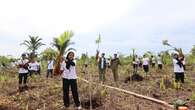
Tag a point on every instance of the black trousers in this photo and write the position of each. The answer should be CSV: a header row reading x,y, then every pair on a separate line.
x,y
66,84
179,77
23,78
160,66
153,65
146,68
49,72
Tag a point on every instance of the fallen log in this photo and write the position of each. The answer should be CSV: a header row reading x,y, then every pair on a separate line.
x,y
165,104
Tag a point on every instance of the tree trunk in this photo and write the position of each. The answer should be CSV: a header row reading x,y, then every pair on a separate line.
x,y
57,65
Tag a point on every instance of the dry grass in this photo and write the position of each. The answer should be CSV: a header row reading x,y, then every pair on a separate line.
x,y
46,94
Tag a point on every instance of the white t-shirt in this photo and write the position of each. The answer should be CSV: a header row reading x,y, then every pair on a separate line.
x,y
22,70
153,60
136,61
50,64
102,63
159,60
177,68
34,66
62,65
69,73
146,61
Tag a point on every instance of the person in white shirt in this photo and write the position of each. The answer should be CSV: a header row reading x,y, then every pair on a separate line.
x,y
33,67
69,77
23,72
153,61
178,68
146,61
159,62
135,64
50,67
39,67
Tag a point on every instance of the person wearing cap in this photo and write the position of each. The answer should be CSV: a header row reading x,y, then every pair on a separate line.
x,y
23,72
102,67
115,62
178,68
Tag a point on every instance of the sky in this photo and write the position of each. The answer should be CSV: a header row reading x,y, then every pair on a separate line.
x,y
123,24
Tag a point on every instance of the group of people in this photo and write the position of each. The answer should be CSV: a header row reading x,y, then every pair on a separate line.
x,y
69,73
145,63
137,62
27,68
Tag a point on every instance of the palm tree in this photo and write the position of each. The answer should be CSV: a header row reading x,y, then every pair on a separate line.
x,y
62,43
48,53
33,44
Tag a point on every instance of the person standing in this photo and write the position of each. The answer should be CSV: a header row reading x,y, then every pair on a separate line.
x,y
146,61
33,67
178,68
23,72
69,77
115,62
50,67
39,67
135,64
153,59
159,62
102,67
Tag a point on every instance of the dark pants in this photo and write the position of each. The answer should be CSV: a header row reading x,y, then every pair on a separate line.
x,y
153,65
135,68
49,72
23,78
160,66
102,76
73,84
179,77
31,72
146,68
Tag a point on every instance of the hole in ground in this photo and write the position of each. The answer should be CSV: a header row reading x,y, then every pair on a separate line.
x,y
95,103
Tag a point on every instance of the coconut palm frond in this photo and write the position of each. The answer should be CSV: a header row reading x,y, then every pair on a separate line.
x,y
33,44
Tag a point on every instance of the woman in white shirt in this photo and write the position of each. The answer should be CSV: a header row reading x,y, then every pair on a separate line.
x,y
146,64
178,68
69,77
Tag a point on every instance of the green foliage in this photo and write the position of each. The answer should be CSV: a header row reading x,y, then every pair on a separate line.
x,y
33,44
47,53
98,41
4,60
63,41
166,58
180,102
193,50
162,84
192,98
